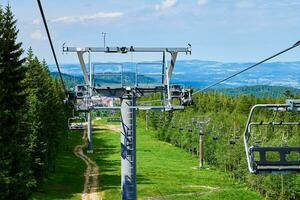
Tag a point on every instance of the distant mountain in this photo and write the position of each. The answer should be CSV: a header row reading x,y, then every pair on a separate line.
x,y
198,73
257,90
260,91
128,79
69,80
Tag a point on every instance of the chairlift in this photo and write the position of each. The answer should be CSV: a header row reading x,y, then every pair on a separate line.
x,y
81,91
71,98
190,130
257,160
215,138
186,97
232,141
76,123
175,91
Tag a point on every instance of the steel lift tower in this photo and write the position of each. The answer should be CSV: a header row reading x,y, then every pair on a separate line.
x,y
128,95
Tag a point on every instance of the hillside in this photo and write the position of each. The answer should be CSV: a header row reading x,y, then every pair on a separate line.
x,y
260,91
223,145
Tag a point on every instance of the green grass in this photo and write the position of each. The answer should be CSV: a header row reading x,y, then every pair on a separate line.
x,y
162,169
67,181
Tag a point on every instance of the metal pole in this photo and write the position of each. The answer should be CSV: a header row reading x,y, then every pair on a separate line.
x,y
147,119
128,148
201,134
89,134
104,39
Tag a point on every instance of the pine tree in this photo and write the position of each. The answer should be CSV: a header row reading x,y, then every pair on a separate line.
x,y
45,115
14,168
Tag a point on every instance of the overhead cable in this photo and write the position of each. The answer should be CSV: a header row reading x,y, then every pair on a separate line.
x,y
51,44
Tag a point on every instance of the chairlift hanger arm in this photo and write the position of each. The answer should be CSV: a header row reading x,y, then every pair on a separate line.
x,y
83,67
186,50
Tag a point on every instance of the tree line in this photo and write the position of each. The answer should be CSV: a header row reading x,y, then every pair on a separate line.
x,y
223,137
32,115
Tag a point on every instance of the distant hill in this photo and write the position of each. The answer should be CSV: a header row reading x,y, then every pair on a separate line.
x,y
128,78
257,90
260,91
199,73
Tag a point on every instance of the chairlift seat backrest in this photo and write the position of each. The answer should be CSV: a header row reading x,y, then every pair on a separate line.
x,y
282,164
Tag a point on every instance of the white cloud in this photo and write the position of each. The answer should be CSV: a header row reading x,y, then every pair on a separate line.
x,y
36,21
165,4
84,18
37,35
202,2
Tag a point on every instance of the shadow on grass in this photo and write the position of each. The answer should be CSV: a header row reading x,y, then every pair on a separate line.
x,y
107,154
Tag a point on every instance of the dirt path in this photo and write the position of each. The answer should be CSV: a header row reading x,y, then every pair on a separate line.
x,y
91,176
92,171
211,189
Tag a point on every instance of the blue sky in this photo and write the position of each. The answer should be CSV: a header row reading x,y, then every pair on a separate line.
x,y
221,30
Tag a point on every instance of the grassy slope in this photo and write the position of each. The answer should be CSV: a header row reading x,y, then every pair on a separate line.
x,y
67,181
161,169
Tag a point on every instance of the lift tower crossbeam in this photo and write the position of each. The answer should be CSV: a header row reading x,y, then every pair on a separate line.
x,y
186,50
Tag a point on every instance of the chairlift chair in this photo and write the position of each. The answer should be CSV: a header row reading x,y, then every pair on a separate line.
x,y
76,123
81,91
232,141
71,98
175,91
257,160
215,138
186,97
